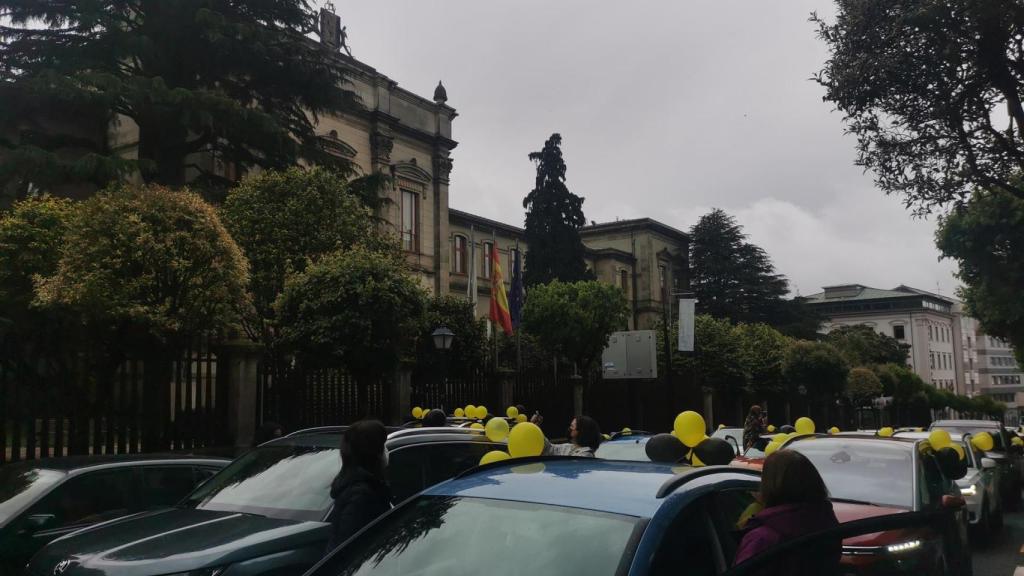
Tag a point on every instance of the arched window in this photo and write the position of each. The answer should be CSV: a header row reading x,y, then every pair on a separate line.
x,y
624,280
459,258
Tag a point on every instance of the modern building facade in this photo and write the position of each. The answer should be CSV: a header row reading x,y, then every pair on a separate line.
x,y
929,323
991,368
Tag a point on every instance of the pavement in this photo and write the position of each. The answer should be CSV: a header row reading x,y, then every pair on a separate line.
x,y
1002,555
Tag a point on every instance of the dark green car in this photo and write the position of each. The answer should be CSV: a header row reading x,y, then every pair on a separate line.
x,y
46,499
265,514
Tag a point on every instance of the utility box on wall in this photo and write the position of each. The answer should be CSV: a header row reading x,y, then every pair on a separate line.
x,y
631,355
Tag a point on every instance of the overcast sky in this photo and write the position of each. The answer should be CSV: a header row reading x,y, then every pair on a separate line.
x,y
666,109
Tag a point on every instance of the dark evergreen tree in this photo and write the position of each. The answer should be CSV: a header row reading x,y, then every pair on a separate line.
x,y
735,279
237,79
554,217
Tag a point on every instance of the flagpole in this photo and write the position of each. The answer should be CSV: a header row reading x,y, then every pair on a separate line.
x,y
519,349
491,256
471,292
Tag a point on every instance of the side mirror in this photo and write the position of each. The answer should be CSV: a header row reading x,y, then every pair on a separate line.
x,y
953,502
988,464
37,522
735,445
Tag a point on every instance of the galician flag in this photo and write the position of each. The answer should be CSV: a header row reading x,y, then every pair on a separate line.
x,y
499,299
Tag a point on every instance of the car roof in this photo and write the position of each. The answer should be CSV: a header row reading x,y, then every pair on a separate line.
x,y
859,439
613,486
967,424
628,439
330,437
75,463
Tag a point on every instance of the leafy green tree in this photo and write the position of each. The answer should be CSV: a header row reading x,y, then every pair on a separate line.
x,y
152,264
862,345
575,319
736,280
918,81
986,237
554,216
469,347
862,386
762,355
31,236
285,221
817,366
358,309
238,79
718,360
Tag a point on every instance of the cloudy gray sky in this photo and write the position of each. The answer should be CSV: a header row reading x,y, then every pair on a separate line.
x,y
666,109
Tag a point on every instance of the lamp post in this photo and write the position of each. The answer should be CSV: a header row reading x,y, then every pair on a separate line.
x,y
443,338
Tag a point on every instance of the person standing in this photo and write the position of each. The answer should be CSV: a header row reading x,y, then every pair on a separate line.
x,y
753,427
359,490
584,438
795,503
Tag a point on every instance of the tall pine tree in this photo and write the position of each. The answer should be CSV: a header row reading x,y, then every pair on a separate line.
x,y
554,217
239,79
735,279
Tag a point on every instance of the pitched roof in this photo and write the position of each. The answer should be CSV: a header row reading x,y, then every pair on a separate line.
x,y
855,292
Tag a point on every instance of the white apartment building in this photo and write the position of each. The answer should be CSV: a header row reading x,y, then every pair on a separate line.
x,y
991,368
929,323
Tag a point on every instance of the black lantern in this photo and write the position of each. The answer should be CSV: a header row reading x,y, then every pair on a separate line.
x,y
443,338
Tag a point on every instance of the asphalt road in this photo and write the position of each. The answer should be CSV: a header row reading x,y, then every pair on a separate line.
x,y
1002,556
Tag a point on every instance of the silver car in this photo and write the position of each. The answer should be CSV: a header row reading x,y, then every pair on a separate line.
x,y
980,486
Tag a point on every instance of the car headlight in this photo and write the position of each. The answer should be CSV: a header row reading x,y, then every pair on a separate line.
x,y
903,546
971,490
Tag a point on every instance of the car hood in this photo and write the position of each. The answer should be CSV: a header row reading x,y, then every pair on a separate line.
x,y
970,478
848,512
174,540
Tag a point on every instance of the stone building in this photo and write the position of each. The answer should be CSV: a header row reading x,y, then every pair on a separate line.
x,y
928,323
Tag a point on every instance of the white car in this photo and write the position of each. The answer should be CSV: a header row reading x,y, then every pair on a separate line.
x,y
980,487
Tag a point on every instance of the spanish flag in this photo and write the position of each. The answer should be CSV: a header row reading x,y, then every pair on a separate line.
x,y
499,299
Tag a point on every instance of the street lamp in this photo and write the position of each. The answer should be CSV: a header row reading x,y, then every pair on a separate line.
x,y
443,338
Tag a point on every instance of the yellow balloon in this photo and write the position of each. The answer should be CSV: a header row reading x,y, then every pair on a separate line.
x,y
494,456
833,430
804,425
512,412
459,412
689,427
959,450
626,431
476,426
771,447
780,437
771,428
694,461
525,439
521,418
606,437
481,412
417,412
720,426
1016,441
885,432
497,429
983,441
470,411
939,439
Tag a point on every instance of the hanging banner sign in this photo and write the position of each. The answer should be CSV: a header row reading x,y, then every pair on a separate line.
x,y
686,312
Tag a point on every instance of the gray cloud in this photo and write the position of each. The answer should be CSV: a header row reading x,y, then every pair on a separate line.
x,y
666,109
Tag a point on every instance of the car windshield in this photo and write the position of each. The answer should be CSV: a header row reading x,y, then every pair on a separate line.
x,y
634,450
959,431
876,472
446,536
20,485
279,481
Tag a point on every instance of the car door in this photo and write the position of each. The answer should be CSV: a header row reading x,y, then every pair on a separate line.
x,y
82,500
932,486
687,545
415,467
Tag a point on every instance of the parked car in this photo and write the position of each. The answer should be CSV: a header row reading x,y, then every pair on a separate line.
x,y
980,486
1005,455
625,447
265,513
753,457
733,436
560,515
42,500
869,476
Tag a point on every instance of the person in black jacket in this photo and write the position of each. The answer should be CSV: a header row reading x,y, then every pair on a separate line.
x,y
359,491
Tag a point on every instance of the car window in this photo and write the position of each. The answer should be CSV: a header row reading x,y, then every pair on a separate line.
x,y
931,483
442,536
687,542
88,498
863,470
633,450
164,485
731,510
411,469
20,484
203,473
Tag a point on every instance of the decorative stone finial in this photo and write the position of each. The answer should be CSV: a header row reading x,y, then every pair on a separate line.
x,y
440,94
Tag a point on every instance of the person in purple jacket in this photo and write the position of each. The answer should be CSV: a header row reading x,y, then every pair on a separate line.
x,y
795,503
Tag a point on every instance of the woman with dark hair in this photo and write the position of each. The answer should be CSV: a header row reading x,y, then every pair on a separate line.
x,y
584,436
359,490
795,503
753,427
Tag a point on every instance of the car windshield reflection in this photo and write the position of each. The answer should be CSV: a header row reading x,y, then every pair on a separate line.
x,y
863,471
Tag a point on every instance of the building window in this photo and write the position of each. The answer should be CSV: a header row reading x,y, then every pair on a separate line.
x,y
898,332
663,281
624,281
486,259
931,359
929,333
459,258
512,262
410,227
